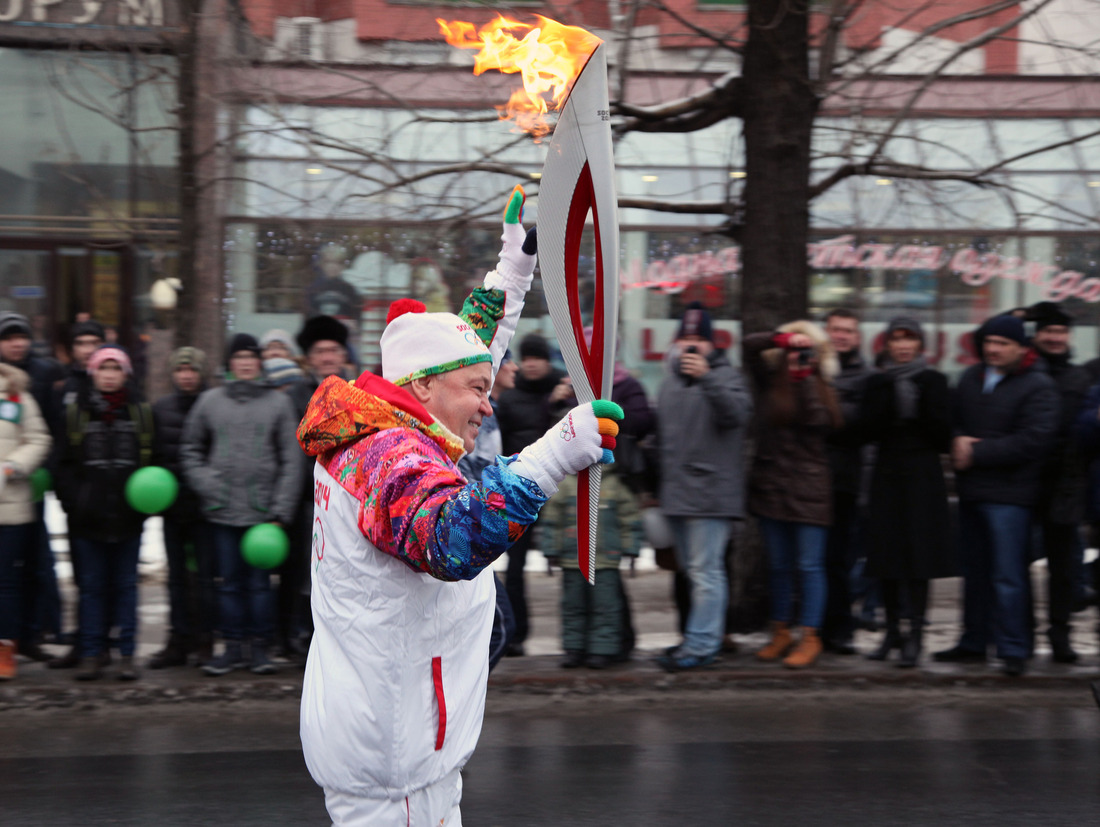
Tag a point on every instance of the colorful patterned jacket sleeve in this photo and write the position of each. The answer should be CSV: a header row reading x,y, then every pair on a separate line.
x,y
417,507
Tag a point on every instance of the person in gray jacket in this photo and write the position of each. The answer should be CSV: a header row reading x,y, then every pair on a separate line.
x,y
240,455
702,409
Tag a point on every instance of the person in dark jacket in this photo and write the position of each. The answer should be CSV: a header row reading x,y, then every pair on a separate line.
x,y
43,372
597,628
523,414
1087,433
240,455
906,411
108,438
190,604
74,387
846,465
41,613
790,487
324,341
703,408
1061,505
1005,418
84,339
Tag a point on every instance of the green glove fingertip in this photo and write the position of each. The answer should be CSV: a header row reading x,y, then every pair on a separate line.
x,y
608,409
513,213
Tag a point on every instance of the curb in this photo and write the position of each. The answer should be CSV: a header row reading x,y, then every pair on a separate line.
x,y
541,675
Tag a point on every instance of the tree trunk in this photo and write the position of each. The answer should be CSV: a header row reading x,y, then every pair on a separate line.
x,y
187,308
779,111
199,314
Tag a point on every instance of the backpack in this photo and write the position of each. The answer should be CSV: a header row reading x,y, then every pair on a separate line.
x,y
141,414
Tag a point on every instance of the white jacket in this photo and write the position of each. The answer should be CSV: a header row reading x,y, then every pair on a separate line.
x,y
24,444
395,682
402,598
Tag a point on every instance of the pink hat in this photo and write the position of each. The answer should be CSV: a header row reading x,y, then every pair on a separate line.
x,y
106,353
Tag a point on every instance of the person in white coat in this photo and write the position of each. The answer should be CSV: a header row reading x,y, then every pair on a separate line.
x,y
402,595
24,445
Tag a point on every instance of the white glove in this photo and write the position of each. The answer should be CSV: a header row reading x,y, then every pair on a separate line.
x,y
584,437
517,254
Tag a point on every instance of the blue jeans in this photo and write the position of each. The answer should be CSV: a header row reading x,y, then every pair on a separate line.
x,y
790,544
15,543
997,583
701,553
246,603
106,570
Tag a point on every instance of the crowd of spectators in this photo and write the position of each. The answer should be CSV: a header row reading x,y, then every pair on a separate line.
x,y
848,469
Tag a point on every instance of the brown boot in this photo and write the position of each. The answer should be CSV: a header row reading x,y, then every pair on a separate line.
x,y
7,660
780,643
806,652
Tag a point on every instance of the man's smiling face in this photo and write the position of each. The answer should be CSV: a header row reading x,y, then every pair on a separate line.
x,y
459,400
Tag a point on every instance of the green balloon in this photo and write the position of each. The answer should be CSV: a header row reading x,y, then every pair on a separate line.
x,y
151,490
41,481
264,546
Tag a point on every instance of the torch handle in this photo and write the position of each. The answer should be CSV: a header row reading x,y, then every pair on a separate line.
x,y
588,510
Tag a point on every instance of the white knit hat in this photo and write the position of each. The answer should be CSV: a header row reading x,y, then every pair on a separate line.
x,y
416,343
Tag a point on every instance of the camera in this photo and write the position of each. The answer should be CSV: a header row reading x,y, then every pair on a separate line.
x,y
691,349
804,356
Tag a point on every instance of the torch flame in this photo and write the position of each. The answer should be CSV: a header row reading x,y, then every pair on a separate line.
x,y
549,56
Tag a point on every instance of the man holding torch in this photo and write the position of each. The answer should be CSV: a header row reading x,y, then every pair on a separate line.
x,y
402,598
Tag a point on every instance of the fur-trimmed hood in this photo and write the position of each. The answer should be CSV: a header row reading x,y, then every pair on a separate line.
x,y
823,348
12,379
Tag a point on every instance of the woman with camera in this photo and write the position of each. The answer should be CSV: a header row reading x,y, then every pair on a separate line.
x,y
790,488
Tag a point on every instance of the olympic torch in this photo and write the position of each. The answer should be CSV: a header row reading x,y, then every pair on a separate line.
x,y
577,180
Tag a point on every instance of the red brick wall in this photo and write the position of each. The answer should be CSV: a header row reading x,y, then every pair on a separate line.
x,y
383,20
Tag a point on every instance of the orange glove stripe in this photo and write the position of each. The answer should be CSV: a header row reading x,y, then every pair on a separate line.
x,y
608,427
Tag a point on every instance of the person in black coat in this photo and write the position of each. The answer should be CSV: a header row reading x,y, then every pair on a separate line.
x,y
1061,505
846,464
190,591
1005,419
324,343
906,410
524,415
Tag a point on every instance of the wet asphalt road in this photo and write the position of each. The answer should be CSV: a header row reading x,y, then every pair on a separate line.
x,y
721,757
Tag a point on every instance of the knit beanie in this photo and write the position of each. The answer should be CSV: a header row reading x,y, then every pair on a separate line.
x,y
13,324
280,372
534,346
322,329
906,323
1007,326
187,356
696,322
106,353
416,343
1045,314
239,342
88,328
278,335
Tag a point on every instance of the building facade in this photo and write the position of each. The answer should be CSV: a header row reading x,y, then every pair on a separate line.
x,y
89,201
357,159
